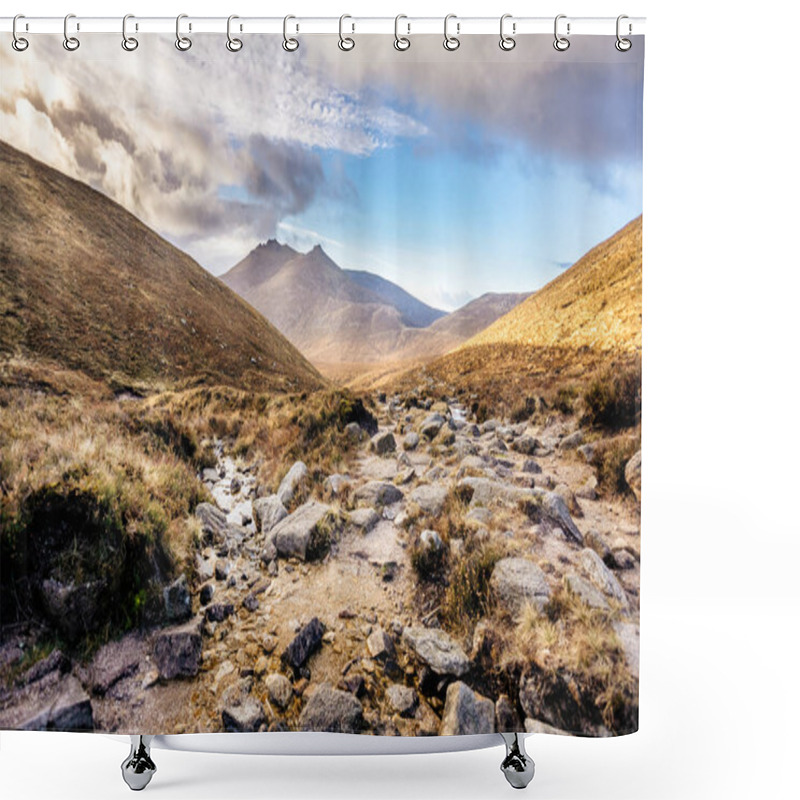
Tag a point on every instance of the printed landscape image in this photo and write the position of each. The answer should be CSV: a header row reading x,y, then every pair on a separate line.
x,y
320,389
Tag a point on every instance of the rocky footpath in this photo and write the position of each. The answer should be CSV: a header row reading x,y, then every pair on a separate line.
x,y
302,610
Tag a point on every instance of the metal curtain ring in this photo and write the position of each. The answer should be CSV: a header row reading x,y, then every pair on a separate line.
x,y
401,42
623,45
561,43
233,44
345,42
289,44
506,42
71,43
129,43
183,43
451,42
19,43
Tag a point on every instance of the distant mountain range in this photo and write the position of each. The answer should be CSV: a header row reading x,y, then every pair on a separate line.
x,y
86,286
348,317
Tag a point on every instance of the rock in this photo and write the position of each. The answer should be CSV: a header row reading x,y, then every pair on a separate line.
x,y
236,485
431,539
597,543
74,609
628,636
587,592
335,484
589,489
490,425
402,699
437,649
550,697
206,593
221,570
404,476
602,577
333,711
411,441
115,662
571,442
354,683
518,581
268,512
430,499
505,718
377,494
177,600
383,443
177,651
307,641
531,467
445,438
291,481
250,603
565,493
279,688
307,533
365,519
466,712
587,451
213,522
353,431
544,506
431,425
478,516
535,726
210,475
56,661
623,559
245,717
219,612
380,645
633,475
526,445
69,710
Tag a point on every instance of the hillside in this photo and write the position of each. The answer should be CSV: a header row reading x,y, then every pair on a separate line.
x,y
85,285
596,303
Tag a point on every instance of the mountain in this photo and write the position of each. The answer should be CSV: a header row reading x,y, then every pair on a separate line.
x,y
348,321
414,313
596,303
87,286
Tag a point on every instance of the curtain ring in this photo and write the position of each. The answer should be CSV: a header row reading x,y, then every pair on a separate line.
x,y
345,42
623,45
401,42
233,44
71,43
289,44
19,43
506,42
183,43
450,42
561,43
129,43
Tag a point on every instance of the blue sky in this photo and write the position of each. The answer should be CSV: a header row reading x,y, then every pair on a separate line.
x,y
452,174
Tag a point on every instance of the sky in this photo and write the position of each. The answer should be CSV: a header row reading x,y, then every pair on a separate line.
x,y
452,174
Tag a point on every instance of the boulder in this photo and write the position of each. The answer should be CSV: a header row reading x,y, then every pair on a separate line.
x,y
623,559
550,507
335,484
268,512
70,709
429,498
206,594
377,494
526,445
114,662
307,641
177,651
305,534
365,519
411,441
633,475
431,425
531,466
587,451
177,600
353,431
431,539
572,442
333,711
628,636
213,522
518,581
437,649
587,592
465,712
380,645
551,697
279,688
403,700
248,716
383,443
55,662
291,481
589,489
602,577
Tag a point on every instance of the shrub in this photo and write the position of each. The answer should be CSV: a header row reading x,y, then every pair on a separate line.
x,y
614,400
466,598
564,400
610,459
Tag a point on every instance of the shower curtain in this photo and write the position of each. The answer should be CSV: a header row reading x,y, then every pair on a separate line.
x,y
320,384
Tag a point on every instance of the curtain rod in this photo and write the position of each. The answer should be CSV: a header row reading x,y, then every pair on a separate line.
x,y
461,26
